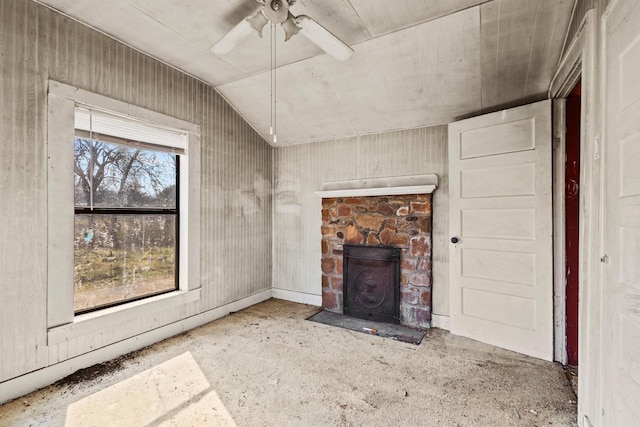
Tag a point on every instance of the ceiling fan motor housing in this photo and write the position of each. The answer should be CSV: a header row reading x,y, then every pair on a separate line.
x,y
277,11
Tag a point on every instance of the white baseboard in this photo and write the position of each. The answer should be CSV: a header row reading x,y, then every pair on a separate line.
x,y
439,321
27,383
299,297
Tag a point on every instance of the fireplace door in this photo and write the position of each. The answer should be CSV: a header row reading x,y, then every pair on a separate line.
x,y
372,282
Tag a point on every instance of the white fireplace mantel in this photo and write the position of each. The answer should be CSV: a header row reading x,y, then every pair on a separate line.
x,y
410,184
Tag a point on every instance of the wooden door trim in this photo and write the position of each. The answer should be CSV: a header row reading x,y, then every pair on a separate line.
x,y
580,62
559,250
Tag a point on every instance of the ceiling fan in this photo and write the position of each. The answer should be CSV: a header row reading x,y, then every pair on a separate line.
x,y
277,11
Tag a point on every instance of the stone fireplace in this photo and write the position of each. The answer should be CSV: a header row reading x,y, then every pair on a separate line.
x,y
388,212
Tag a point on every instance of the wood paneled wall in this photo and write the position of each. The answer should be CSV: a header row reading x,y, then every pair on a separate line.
x,y
37,44
301,169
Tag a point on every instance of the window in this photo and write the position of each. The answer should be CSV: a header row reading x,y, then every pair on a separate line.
x,y
126,201
123,218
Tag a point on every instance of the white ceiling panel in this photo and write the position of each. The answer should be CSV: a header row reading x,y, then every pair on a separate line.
x,y
520,40
307,103
416,62
424,75
432,76
384,16
141,24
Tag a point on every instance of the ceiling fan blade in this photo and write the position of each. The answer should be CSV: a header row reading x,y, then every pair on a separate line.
x,y
237,34
323,38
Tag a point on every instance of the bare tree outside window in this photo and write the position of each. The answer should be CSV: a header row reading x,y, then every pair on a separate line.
x,y
126,204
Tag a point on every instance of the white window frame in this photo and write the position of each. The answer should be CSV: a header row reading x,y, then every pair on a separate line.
x,y
62,323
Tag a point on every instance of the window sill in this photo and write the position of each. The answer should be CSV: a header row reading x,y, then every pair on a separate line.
x,y
94,322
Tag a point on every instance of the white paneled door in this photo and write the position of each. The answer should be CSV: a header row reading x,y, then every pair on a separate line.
x,y
501,270
621,293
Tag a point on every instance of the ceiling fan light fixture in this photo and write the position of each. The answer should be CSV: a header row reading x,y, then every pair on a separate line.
x,y
258,21
290,28
277,11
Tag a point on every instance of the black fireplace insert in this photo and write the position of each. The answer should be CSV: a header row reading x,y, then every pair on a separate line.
x,y
371,283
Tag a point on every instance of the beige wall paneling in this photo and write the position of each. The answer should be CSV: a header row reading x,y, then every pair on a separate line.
x,y
236,165
410,152
23,175
299,171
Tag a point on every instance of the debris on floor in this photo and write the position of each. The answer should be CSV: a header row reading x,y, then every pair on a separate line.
x,y
226,373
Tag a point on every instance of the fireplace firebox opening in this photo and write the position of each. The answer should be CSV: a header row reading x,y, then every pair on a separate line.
x,y
372,283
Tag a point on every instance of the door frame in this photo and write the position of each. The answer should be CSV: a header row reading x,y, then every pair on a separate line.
x,y
559,246
580,62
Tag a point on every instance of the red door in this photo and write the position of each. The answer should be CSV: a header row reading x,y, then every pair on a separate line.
x,y
572,212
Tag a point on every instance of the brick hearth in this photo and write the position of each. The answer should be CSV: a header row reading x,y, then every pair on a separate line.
x,y
400,221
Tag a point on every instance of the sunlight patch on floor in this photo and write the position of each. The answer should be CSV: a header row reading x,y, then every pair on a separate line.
x,y
175,392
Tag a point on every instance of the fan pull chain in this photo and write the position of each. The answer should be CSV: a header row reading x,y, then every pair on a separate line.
x,y
271,80
275,87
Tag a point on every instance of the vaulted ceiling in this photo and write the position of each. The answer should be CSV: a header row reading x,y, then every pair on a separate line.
x,y
416,63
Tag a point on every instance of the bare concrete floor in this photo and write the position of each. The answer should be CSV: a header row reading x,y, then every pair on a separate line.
x,y
268,366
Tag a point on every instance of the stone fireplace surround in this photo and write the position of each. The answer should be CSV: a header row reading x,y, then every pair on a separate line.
x,y
381,212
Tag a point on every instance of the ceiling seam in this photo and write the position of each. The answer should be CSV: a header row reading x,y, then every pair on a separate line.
x,y
497,51
360,17
535,27
549,45
153,18
435,18
361,135
566,36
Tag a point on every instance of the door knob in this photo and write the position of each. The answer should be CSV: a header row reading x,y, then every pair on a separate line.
x,y
454,240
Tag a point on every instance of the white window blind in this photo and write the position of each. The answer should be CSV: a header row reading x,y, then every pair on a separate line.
x,y
136,132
